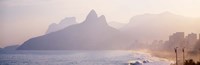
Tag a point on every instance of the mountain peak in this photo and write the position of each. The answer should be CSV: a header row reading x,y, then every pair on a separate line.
x,y
93,11
102,19
92,16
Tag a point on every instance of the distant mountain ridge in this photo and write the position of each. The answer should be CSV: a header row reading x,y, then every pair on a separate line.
x,y
92,34
63,23
116,25
158,26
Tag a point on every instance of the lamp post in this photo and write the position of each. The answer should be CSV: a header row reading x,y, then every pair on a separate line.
x,y
183,50
176,55
199,54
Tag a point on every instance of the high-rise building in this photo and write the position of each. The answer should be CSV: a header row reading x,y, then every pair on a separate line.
x,y
199,36
191,40
177,39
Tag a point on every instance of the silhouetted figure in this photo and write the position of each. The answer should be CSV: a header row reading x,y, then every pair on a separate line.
x,y
198,63
190,62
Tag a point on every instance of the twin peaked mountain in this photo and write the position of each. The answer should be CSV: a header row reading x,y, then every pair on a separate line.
x,y
93,33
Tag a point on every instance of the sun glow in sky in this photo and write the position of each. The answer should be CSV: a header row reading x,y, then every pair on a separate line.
x,y
24,19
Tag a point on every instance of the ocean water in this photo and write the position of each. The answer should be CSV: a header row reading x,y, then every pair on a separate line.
x,y
108,57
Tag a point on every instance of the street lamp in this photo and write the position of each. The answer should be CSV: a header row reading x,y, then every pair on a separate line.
x,y
199,54
183,50
176,55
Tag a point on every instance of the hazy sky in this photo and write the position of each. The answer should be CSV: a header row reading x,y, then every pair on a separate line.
x,y
24,19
